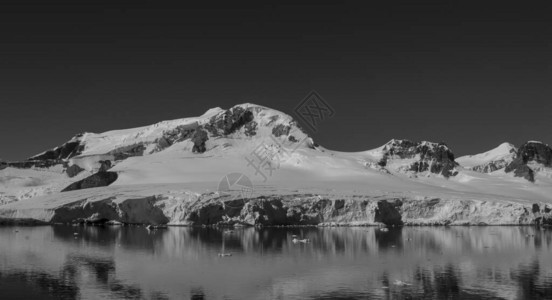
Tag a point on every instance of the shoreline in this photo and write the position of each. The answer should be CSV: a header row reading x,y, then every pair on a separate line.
x,y
38,223
305,210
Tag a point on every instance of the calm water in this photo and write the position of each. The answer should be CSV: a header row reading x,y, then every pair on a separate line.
x,y
63,262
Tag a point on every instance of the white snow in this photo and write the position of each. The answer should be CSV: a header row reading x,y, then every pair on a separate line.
x,y
103,143
20,184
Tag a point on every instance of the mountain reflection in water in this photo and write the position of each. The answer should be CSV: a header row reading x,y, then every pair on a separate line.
x,y
130,262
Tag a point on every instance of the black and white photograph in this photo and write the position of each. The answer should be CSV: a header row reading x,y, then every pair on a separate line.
x,y
296,150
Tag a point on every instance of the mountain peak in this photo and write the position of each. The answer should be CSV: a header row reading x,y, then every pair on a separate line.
x,y
216,128
532,157
236,131
212,111
506,147
490,161
404,155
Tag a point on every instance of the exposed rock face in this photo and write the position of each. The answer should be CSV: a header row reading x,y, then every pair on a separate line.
x,y
280,130
432,157
96,180
530,153
387,212
298,209
199,138
222,124
46,163
65,151
492,166
229,122
536,152
56,156
73,170
178,134
105,165
128,151
521,170
250,128
105,210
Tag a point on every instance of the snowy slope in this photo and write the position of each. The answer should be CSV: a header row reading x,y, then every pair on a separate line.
x,y
105,143
490,161
163,152
20,184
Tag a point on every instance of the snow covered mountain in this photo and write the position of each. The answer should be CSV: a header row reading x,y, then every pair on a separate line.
x,y
234,136
169,151
530,159
404,156
216,128
490,161
170,171
533,158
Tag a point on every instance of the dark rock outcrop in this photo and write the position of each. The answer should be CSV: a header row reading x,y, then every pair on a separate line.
x,y
96,180
178,134
262,212
536,152
280,130
128,151
222,124
387,212
267,211
65,151
433,157
199,138
142,210
521,170
492,166
56,156
73,170
530,152
27,164
250,128
293,209
229,122
105,165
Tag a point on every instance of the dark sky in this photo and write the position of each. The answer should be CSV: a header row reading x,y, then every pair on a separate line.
x,y
472,74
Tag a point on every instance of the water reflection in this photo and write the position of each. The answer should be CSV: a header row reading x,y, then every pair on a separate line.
x,y
64,262
35,285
